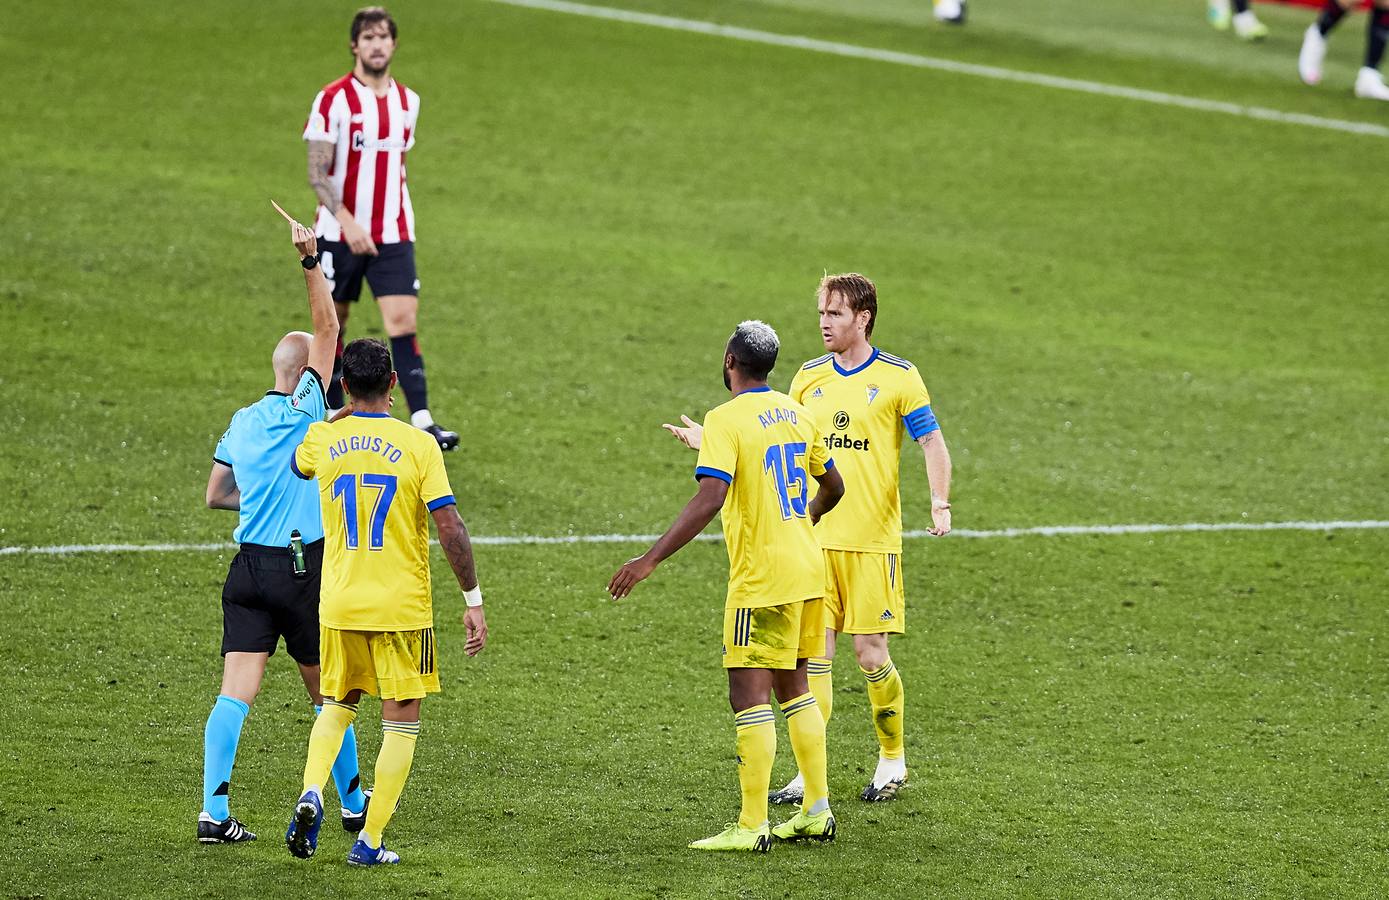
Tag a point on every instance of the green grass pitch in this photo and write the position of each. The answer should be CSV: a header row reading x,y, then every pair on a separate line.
x,y
1125,313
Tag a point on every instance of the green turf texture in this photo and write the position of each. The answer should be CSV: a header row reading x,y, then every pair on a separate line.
x,y
1124,312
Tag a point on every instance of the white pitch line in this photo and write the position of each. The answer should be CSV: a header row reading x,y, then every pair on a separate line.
x,y
565,539
918,61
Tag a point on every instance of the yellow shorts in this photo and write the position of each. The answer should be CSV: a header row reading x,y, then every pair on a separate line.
x,y
773,637
864,593
393,665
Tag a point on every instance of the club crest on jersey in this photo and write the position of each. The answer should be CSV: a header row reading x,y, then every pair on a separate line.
x,y
872,393
816,394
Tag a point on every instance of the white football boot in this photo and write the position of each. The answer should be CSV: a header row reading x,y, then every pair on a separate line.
x,y
952,11
1248,27
1311,57
1369,84
1218,14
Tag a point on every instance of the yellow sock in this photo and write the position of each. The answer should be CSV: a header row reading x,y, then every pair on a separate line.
x,y
818,669
392,768
807,729
887,697
325,741
756,749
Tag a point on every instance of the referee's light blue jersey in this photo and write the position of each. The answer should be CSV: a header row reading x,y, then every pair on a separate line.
x,y
258,446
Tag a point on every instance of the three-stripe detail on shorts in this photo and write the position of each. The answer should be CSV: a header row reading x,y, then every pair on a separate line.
x,y
427,651
742,627
892,569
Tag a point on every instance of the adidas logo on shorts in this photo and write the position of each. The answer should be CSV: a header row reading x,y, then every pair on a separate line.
x,y
886,616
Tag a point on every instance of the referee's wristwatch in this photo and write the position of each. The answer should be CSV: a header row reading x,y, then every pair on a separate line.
x,y
308,262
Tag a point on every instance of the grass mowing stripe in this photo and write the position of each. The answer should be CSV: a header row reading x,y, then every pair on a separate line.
x,y
522,539
976,70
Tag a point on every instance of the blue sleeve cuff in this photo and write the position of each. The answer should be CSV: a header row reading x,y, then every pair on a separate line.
x,y
446,500
294,465
222,462
711,472
920,422
829,464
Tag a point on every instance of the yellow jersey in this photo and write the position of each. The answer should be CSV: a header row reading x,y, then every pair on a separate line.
x,y
862,413
378,480
766,448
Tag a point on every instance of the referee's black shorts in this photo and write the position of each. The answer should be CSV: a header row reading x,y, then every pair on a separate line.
x,y
389,273
262,600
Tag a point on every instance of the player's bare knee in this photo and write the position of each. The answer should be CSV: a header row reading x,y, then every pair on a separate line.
x,y
871,650
788,684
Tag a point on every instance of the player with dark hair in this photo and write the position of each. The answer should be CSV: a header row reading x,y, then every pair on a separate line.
x,y
272,584
758,449
1369,82
379,482
1224,13
359,130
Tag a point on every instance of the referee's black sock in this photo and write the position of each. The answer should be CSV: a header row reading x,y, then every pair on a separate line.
x,y
334,385
1377,37
1331,13
409,368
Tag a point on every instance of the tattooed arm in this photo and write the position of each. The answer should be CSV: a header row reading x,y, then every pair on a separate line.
x,y
453,537
320,161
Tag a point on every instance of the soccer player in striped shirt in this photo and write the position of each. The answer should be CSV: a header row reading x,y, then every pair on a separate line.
x,y
360,127
758,449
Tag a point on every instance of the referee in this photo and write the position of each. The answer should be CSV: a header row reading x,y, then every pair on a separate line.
x,y
272,586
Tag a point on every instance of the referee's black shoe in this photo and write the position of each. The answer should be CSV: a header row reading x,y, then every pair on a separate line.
x,y
228,831
447,439
353,824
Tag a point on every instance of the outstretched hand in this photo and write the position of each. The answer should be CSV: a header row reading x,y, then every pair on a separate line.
x,y
627,577
691,435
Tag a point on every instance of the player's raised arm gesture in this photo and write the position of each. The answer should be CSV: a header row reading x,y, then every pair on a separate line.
x,y
691,435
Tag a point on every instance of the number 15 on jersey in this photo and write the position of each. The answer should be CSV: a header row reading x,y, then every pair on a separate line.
x,y
786,465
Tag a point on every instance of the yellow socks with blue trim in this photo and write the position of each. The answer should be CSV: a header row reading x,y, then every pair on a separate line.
x,y
887,698
326,740
756,749
806,726
818,671
392,768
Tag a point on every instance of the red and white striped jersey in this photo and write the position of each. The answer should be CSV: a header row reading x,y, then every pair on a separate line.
x,y
372,135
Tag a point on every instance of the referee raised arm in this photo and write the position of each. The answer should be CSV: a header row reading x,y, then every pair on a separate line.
x,y
272,586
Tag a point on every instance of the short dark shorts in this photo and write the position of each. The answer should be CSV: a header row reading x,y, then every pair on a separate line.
x,y
389,273
263,601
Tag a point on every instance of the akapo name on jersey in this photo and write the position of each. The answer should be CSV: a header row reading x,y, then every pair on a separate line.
x,y
843,441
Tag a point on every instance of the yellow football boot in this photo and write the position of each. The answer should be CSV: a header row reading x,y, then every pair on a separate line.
x,y
735,837
801,827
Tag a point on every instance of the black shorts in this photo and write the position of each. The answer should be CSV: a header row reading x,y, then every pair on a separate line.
x,y
263,600
390,272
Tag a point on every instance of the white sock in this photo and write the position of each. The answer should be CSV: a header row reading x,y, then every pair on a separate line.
x,y
889,770
421,418
797,783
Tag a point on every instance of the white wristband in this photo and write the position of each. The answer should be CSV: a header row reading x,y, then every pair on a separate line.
x,y
473,597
